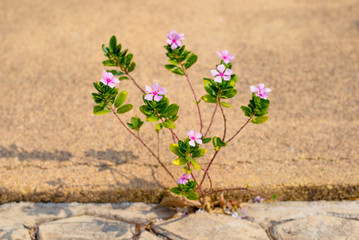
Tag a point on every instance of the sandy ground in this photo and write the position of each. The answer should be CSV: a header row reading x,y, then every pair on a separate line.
x,y
306,51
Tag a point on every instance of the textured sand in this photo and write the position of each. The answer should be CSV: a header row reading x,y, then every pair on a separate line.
x,y
53,148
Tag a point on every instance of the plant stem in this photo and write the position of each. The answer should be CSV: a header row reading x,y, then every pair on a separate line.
x,y
199,187
209,165
239,130
143,143
224,122
210,124
242,189
158,145
195,97
143,91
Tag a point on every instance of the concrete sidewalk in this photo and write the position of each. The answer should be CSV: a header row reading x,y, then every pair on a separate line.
x,y
282,220
52,148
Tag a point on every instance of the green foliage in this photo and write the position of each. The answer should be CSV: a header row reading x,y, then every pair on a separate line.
x,y
135,124
187,190
121,98
100,110
154,111
223,90
124,109
179,58
116,57
218,143
224,104
103,97
206,140
258,108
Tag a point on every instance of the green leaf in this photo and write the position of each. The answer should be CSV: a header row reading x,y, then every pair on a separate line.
x,y
217,143
132,67
260,120
152,118
209,87
176,190
180,161
235,78
175,149
130,125
159,126
190,61
206,140
113,44
168,124
199,152
171,110
109,63
192,196
247,111
209,99
115,73
121,98
129,58
229,93
190,186
273,197
146,110
173,61
224,104
99,110
174,69
124,109
123,78
194,162
104,49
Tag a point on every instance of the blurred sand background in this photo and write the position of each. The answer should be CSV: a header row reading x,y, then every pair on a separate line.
x,y
52,148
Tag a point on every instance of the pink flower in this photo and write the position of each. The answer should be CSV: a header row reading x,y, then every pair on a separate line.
x,y
226,56
174,39
194,137
108,79
154,94
184,179
260,91
226,75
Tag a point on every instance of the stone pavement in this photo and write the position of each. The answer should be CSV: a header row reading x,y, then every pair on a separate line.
x,y
52,148
282,220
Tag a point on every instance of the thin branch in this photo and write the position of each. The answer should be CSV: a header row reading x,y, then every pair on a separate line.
x,y
249,119
143,91
199,187
224,122
210,124
241,189
209,165
195,97
144,144
171,130
158,145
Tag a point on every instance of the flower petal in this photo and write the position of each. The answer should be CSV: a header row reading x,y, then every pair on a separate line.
x,y
158,98
168,41
267,90
162,91
199,141
214,73
230,57
111,84
173,46
254,89
181,36
148,89
197,135
228,72
115,80
226,78
149,97
104,74
260,86
179,43
192,143
221,68
218,79
219,54
103,81
226,61
225,52
191,133
187,176
155,87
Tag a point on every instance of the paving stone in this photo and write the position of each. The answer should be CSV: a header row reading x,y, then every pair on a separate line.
x,y
31,214
145,235
86,228
19,233
209,226
264,213
317,227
